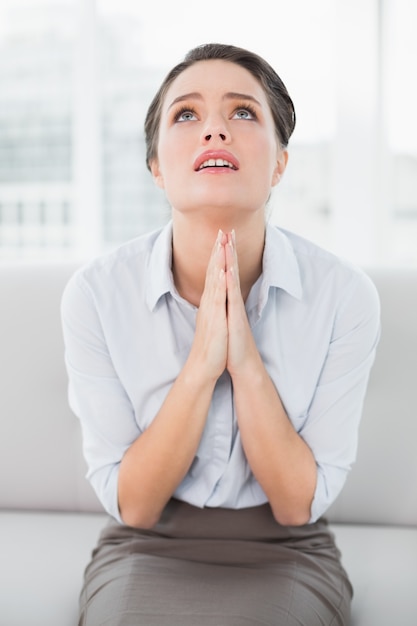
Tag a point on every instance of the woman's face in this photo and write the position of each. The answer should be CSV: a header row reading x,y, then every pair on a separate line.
x,y
217,148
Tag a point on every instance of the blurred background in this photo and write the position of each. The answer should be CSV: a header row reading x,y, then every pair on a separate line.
x,y
77,76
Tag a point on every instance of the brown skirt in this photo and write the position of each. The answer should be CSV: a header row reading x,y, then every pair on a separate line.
x,y
216,567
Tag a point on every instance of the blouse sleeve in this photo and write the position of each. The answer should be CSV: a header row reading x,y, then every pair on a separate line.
x,y
95,393
331,429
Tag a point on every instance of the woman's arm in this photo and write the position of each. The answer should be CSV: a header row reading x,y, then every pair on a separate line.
x,y
158,460
302,473
279,458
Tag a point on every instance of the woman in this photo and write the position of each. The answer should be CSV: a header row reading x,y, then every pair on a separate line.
x,y
218,368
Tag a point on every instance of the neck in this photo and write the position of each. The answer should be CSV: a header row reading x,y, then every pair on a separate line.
x,y
192,245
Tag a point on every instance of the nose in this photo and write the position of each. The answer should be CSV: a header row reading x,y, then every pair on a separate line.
x,y
216,129
221,135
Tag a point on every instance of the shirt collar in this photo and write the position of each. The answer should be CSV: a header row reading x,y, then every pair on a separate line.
x,y
280,267
159,275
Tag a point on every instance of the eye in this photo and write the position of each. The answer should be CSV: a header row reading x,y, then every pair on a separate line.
x,y
185,114
245,113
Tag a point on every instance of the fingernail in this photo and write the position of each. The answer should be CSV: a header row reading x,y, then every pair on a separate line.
x,y
219,236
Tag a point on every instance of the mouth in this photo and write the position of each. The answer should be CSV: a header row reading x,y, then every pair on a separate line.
x,y
216,163
216,159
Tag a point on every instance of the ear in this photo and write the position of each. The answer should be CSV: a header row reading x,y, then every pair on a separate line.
x,y
282,159
157,174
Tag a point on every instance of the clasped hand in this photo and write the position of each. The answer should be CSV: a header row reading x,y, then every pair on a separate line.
x,y
223,338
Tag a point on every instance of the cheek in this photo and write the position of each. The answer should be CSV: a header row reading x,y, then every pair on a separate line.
x,y
268,157
170,153
265,147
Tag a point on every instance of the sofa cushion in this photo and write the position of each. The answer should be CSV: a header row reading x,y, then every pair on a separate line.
x,y
40,443
40,436
43,556
380,488
382,564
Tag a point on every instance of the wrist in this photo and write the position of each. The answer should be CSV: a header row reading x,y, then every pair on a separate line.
x,y
197,375
250,372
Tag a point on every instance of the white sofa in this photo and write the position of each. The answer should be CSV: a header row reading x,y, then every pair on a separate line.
x,y
50,518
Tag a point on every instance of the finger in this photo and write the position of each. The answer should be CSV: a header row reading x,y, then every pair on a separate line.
x,y
211,326
232,265
217,258
215,282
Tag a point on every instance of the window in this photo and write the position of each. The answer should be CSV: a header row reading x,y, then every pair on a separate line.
x,y
35,127
76,78
399,106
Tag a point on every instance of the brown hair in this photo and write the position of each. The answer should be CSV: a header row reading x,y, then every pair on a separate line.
x,y
282,107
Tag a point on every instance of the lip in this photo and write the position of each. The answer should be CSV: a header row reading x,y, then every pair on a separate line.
x,y
216,154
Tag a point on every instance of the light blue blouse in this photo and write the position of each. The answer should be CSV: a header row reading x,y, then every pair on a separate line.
x,y
127,332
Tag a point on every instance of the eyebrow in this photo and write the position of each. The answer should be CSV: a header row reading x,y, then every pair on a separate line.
x,y
235,95
230,95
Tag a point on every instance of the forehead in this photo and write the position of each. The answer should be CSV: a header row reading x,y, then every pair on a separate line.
x,y
214,78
